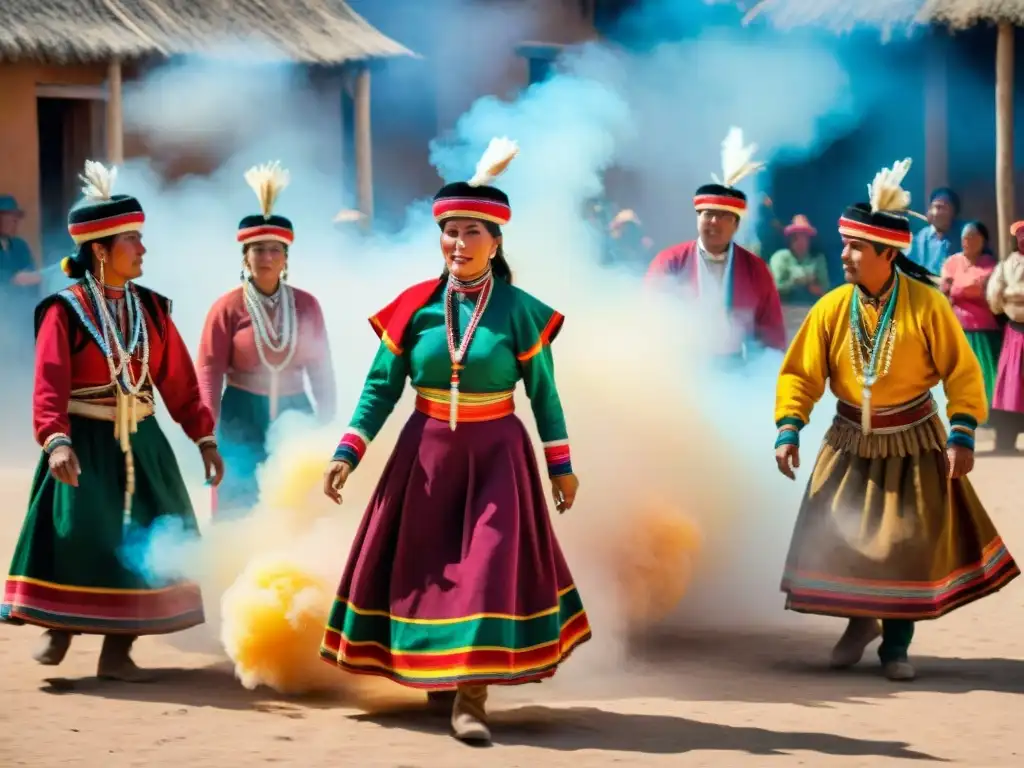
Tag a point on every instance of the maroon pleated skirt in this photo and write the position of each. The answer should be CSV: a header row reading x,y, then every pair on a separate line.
x,y
455,575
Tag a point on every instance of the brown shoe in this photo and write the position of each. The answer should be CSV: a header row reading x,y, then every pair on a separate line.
x,y
859,634
116,661
469,715
52,648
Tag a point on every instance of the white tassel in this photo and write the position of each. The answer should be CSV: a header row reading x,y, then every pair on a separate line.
x,y
99,181
267,181
737,159
494,161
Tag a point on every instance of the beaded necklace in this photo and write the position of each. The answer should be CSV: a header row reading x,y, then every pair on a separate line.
x,y
126,387
880,347
484,285
267,336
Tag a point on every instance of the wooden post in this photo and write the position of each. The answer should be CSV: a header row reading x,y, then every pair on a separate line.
x,y
364,148
936,116
1004,137
115,119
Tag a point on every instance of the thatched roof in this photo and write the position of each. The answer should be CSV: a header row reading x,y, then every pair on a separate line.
x,y
843,15
310,31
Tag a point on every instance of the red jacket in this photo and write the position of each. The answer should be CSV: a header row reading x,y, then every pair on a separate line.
x,y
756,306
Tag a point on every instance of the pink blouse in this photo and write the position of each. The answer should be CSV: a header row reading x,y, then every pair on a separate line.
x,y
965,285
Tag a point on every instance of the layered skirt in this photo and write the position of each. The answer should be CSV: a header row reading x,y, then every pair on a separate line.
x,y
242,440
883,533
987,346
455,575
71,569
1009,385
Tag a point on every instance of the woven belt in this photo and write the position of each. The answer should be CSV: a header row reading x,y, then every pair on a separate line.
x,y
895,418
104,412
473,406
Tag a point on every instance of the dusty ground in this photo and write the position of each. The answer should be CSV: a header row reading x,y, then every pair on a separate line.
x,y
761,699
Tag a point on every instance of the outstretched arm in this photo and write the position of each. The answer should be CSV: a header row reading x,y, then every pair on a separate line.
x,y
52,388
178,385
802,378
962,380
381,392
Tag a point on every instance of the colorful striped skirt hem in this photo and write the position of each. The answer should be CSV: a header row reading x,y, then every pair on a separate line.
x,y
102,611
437,654
883,533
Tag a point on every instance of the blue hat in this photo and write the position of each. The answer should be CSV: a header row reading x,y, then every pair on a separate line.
x,y
8,204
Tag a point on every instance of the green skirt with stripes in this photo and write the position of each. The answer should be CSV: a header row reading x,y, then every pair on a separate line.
x,y
70,570
987,345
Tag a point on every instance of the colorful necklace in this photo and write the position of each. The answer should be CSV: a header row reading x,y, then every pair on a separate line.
x,y
121,372
126,390
881,346
484,284
266,336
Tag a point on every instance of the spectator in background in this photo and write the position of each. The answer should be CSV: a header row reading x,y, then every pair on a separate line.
x,y
941,238
1005,294
769,230
800,274
965,276
19,280
628,246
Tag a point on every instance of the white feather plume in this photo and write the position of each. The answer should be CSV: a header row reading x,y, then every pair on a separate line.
x,y
267,181
494,161
737,160
886,192
99,181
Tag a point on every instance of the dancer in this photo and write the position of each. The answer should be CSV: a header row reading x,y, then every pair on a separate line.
x,y
1005,294
264,337
890,527
106,468
964,278
455,580
713,263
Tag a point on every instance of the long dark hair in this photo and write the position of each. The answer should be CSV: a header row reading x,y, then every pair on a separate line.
x,y
81,262
499,264
914,270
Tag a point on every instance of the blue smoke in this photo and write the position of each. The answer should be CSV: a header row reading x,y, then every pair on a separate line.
x,y
161,553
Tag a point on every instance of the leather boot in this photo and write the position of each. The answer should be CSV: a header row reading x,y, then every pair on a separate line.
x,y
469,715
116,661
52,648
859,634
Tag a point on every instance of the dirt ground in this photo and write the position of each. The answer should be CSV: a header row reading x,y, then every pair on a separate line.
x,y
755,699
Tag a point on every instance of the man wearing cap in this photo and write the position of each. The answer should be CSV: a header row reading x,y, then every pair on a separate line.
x,y
714,264
941,239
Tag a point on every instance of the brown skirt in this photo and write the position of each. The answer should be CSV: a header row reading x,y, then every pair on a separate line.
x,y
883,532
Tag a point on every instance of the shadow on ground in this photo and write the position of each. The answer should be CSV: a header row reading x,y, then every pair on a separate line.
x,y
770,667
578,728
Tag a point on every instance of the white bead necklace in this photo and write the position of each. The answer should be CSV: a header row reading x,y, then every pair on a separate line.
x,y
121,372
266,335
